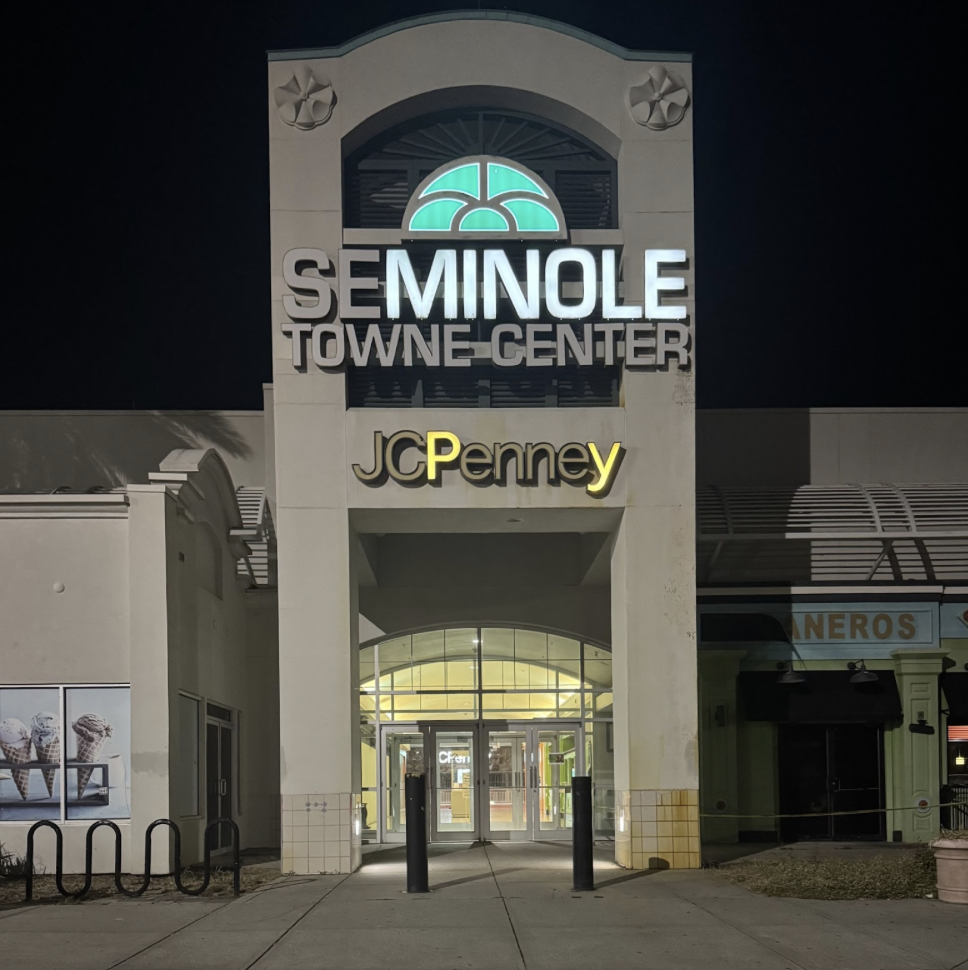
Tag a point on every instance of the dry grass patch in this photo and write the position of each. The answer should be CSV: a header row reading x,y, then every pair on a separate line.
x,y
890,875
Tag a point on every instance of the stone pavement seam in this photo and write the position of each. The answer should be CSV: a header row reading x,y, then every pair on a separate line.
x,y
740,929
165,937
507,912
298,921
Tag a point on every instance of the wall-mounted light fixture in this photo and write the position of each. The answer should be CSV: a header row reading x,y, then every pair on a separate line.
x,y
922,726
861,674
789,675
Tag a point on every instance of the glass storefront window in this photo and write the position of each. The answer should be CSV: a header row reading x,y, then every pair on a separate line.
x,y
65,753
367,668
548,672
598,668
598,704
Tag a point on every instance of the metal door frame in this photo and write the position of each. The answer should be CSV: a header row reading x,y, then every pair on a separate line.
x,y
384,729
228,784
834,788
432,729
531,730
480,787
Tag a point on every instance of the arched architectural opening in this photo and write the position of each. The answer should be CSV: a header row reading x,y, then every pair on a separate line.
x,y
499,719
381,174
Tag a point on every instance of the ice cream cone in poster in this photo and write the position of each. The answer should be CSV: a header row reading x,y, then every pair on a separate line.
x,y
15,744
45,734
92,731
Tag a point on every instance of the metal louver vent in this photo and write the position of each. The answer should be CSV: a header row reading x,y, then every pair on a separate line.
x,y
845,533
376,387
450,390
258,568
582,387
380,176
378,198
586,198
482,387
513,390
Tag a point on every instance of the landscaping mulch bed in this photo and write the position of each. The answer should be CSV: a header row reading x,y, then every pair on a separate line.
x,y
891,875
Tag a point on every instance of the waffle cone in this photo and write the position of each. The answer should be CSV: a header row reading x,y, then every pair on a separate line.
x,y
86,751
49,754
19,754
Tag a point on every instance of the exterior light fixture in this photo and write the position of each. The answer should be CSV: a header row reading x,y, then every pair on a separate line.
x,y
861,674
922,726
789,675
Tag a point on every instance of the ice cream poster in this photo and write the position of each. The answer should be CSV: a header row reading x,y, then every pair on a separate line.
x,y
65,753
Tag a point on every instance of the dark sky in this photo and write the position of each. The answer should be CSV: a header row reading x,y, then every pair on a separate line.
x,y
825,171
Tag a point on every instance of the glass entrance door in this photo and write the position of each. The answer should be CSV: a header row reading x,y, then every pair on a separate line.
x,y
454,784
218,778
485,780
403,754
555,751
827,769
527,789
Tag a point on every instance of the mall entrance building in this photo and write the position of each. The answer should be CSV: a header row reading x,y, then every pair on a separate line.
x,y
466,213
479,532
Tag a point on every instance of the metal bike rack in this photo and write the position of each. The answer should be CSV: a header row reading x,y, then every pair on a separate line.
x,y
146,879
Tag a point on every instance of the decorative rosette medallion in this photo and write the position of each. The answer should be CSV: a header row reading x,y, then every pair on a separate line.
x,y
305,101
660,101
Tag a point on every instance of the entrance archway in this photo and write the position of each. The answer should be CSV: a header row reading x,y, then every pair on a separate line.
x,y
500,718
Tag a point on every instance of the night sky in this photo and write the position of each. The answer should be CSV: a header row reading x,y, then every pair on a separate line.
x,y
825,163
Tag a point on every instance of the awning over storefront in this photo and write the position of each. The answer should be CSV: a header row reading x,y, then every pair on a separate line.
x,y
955,687
824,697
740,628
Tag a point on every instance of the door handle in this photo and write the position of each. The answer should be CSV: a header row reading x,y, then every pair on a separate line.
x,y
222,786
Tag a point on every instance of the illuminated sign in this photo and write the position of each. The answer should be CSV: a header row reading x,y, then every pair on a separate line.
x,y
482,284
577,464
523,297
483,197
450,758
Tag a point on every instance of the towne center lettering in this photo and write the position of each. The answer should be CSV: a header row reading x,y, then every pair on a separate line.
x,y
582,465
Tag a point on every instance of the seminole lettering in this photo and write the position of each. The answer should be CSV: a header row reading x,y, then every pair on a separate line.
x,y
410,459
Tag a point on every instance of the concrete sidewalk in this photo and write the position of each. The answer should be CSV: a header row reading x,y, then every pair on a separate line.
x,y
494,907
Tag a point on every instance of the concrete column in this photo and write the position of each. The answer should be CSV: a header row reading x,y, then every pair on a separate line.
x,y
654,655
916,757
719,796
151,510
318,634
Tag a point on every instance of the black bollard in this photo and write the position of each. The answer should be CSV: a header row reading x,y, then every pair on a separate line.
x,y
583,872
416,798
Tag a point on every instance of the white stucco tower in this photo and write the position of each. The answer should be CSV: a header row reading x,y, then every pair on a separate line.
x,y
613,564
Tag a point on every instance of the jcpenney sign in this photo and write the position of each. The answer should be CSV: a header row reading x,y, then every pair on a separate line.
x,y
474,284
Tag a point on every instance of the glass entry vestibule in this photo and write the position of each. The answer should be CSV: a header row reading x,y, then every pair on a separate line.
x,y
498,719
487,780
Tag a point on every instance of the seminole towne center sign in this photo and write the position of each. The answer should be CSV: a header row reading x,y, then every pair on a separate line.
x,y
483,240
